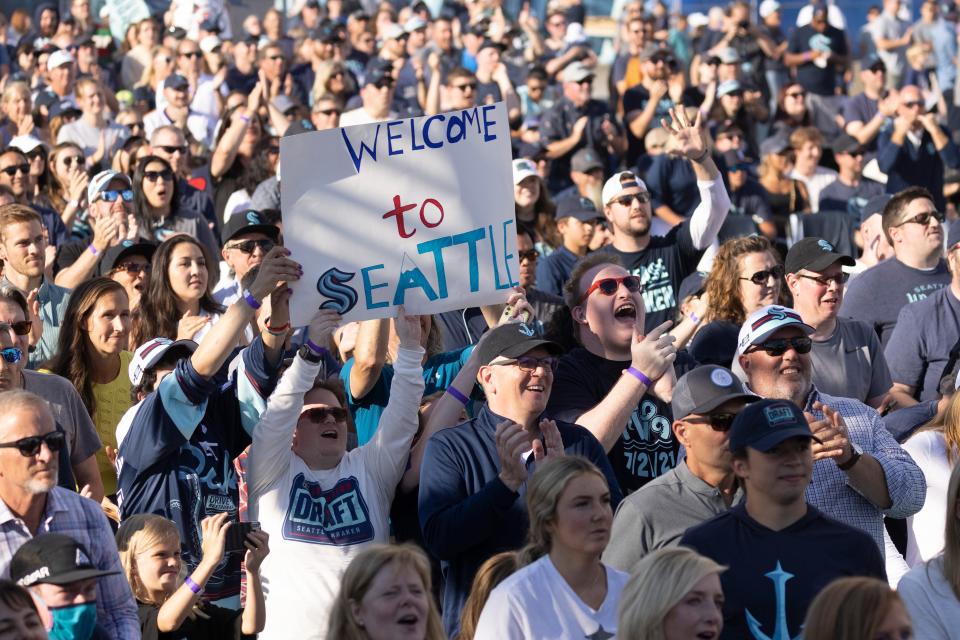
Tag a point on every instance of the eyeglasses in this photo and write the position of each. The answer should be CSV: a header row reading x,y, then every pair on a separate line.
x,y
913,104
72,160
36,153
718,421
172,149
643,197
30,446
318,415
386,83
529,363
155,176
21,328
761,277
531,254
796,94
12,171
328,112
190,54
923,219
275,58
609,286
133,268
825,281
468,85
776,348
113,195
249,246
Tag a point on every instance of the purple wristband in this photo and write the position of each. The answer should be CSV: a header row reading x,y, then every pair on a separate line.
x,y
453,391
317,349
640,375
193,586
93,249
254,304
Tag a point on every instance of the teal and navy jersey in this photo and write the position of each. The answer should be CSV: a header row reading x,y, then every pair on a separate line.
x,y
773,576
176,449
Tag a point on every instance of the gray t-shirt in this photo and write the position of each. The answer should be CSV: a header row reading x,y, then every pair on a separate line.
x,y
925,343
850,363
890,27
86,136
657,514
877,295
68,411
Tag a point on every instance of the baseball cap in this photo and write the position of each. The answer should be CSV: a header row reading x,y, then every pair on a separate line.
x,y
523,168
115,254
585,160
733,159
150,352
211,24
727,87
284,103
489,44
576,72
774,144
377,70
249,221
25,143
59,58
766,321
414,23
768,7
705,388
302,125
178,33
875,206
62,108
53,558
814,254
512,340
393,31
845,143
873,62
698,19
577,207
209,43
618,182
100,181
176,81
766,423
953,235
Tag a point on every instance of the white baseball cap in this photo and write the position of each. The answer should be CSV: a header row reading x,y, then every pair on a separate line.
x,y
766,321
25,143
697,19
618,182
523,168
149,353
59,58
209,43
100,181
768,7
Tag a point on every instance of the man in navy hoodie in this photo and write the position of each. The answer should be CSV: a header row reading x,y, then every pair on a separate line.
x,y
780,550
474,476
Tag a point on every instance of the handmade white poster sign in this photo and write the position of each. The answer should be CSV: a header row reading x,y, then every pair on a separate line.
x,y
416,211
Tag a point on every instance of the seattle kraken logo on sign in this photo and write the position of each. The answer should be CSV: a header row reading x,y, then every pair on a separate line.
x,y
780,631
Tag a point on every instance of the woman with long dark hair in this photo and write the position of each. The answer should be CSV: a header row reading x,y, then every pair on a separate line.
x,y
238,138
179,303
533,207
155,195
67,188
92,355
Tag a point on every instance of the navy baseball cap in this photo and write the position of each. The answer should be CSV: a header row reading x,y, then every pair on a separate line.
x,y
765,424
577,207
512,340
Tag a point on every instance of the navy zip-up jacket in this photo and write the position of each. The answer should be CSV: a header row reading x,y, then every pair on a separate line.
x,y
467,514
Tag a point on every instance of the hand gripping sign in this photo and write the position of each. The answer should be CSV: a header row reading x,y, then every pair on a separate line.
x,y
417,211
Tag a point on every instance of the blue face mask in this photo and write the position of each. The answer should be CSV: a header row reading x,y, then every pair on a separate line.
x,y
75,622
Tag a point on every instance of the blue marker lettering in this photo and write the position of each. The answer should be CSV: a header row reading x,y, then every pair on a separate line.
x,y
507,256
436,247
357,159
426,131
458,122
368,287
472,117
488,124
409,279
413,136
470,238
391,137
493,259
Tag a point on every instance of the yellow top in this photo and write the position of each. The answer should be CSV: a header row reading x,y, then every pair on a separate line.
x,y
113,400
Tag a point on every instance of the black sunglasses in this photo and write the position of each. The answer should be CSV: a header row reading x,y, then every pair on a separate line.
x,y
191,54
318,415
825,281
20,328
625,201
778,347
133,268
72,160
172,149
36,153
328,112
922,219
761,277
30,446
386,83
531,254
12,170
249,246
529,363
466,85
156,176
718,421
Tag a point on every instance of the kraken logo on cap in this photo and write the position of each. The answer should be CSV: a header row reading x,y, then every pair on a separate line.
x,y
721,378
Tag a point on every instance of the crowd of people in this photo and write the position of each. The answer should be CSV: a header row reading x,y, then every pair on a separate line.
x,y
721,403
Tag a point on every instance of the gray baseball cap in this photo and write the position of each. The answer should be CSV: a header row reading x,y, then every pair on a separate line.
x,y
706,388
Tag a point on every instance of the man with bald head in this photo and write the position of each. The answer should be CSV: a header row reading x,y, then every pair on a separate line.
x,y
31,504
915,151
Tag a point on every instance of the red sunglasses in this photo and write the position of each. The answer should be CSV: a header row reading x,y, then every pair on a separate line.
x,y
609,286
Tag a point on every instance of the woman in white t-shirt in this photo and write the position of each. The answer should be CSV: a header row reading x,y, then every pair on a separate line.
x,y
321,504
673,594
931,590
564,591
935,449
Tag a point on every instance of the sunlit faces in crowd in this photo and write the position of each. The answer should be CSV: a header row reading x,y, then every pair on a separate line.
x,y
528,256
760,280
786,376
519,386
188,273
608,316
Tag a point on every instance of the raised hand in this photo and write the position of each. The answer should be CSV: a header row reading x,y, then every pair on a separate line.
x,y
512,442
276,270
552,445
213,532
322,326
408,329
686,139
257,544
654,352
